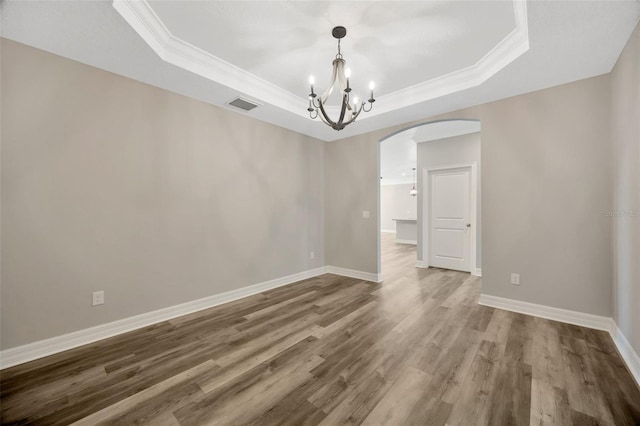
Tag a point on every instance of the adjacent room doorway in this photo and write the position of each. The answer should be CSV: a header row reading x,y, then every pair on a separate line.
x,y
448,216
446,157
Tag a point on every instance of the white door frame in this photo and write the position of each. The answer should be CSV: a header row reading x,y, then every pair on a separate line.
x,y
426,201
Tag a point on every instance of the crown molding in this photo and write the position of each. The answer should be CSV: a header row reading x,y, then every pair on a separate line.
x,y
505,52
144,21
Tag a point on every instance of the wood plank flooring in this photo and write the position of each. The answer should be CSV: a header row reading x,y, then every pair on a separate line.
x,y
414,350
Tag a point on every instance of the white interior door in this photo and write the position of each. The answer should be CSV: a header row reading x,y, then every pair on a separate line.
x,y
449,219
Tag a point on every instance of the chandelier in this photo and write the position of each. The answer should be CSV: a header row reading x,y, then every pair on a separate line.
x,y
348,112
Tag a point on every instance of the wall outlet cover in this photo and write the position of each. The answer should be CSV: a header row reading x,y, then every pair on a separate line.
x,y
98,298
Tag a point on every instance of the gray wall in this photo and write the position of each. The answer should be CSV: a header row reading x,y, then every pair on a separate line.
x,y
110,184
352,185
396,203
157,199
546,179
464,149
625,126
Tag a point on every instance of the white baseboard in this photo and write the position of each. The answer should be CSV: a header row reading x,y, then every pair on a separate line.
x,y
21,354
388,231
422,264
627,353
42,348
53,345
412,242
548,312
367,276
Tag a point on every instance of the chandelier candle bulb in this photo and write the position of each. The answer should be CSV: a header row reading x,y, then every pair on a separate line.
x,y
371,86
311,81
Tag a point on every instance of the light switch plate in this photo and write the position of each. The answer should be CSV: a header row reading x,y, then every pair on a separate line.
x,y
365,214
98,298
515,279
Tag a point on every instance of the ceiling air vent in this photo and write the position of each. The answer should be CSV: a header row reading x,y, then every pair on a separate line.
x,y
243,104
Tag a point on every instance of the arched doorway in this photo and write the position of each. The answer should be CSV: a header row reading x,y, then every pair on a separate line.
x,y
437,148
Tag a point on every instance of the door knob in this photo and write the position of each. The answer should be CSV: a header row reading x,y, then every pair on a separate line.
x,y
468,225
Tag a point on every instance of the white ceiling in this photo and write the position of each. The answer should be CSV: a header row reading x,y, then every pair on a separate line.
x,y
397,44
427,57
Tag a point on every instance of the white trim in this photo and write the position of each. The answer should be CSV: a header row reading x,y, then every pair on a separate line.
x,y
389,231
477,272
501,55
42,348
626,351
426,172
352,273
146,23
557,314
412,242
53,345
421,264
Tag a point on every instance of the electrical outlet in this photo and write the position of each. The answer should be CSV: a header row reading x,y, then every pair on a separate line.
x,y
312,255
515,279
365,214
98,298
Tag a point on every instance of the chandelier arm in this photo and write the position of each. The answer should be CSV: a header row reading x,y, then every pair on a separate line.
x,y
324,115
342,79
343,110
334,75
354,116
324,120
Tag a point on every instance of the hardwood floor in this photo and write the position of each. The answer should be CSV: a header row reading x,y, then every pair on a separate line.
x,y
414,350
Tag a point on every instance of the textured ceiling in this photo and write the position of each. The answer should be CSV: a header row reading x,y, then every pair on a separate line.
x,y
396,44
567,41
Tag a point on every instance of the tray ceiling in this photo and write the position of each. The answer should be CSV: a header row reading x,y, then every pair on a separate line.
x,y
427,57
397,45
414,51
